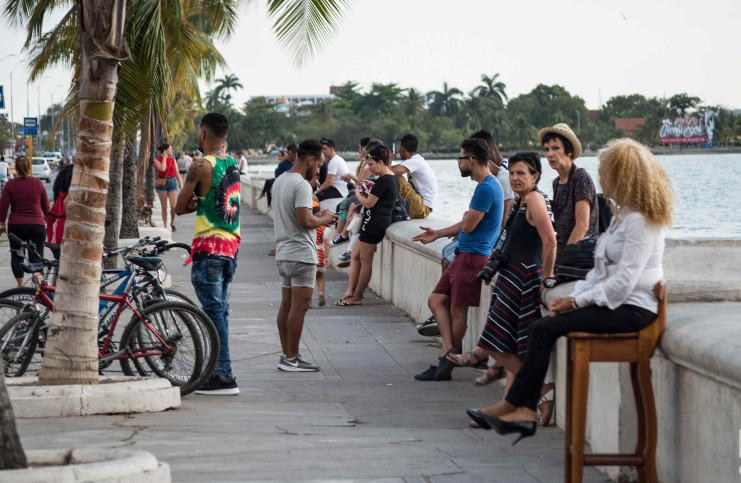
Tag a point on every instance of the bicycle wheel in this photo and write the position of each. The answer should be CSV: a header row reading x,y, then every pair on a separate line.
x,y
18,340
22,294
205,326
182,363
9,309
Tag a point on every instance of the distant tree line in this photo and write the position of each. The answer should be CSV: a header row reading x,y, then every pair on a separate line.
x,y
441,118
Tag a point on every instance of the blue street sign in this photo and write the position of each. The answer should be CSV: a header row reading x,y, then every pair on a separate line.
x,y
20,131
2,98
30,126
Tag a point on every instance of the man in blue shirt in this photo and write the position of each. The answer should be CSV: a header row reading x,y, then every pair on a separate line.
x,y
459,287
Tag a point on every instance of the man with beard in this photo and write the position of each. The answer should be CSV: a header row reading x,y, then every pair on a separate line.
x,y
212,190
459,287
296,254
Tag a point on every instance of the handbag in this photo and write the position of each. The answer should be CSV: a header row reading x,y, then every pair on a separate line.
x,y
160,182
354,225
575,260
401,210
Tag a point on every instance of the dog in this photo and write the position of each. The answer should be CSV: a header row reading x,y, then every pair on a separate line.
x,y
145,211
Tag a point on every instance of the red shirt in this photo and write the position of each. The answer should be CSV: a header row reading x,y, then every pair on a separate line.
x,y
27,200
171,168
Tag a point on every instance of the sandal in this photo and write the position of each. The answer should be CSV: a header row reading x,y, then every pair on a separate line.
x,y
172,227
345,303
469,359
548,397
493,373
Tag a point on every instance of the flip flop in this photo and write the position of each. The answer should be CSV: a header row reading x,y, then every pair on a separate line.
x,y
345,303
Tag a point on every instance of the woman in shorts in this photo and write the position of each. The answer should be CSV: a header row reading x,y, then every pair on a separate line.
x,y
167,169
379,207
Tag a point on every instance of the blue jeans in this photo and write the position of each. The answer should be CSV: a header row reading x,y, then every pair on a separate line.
x,y
212,276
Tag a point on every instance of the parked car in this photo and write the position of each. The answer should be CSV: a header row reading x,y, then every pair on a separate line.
x,y
41,169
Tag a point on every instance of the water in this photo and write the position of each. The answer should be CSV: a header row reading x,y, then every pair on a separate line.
x,y
706,189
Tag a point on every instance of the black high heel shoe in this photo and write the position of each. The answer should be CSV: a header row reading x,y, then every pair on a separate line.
x,y
479,417
524,428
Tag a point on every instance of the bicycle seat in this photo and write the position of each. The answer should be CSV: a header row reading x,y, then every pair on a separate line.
x,y
55,249
150,264
32,267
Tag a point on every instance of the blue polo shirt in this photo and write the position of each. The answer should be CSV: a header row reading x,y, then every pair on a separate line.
x,y
489,198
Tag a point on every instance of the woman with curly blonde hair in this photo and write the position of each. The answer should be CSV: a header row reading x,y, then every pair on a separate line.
x,y
616,296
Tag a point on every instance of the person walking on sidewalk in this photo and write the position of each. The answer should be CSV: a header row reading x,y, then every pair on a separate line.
x,y
296,253
459,288
212,190
169,179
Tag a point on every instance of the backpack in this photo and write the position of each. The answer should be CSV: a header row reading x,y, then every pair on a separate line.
x,y
605,212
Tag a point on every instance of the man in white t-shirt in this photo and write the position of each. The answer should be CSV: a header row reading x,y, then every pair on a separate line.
x,y
421,189
242,162
333,186
3,169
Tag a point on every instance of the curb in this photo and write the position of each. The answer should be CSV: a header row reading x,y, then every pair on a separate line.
x,y
112,395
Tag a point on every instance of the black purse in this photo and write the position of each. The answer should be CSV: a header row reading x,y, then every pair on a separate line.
x,y
574,261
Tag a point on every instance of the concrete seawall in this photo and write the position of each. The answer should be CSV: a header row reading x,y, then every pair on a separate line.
x,y
696,370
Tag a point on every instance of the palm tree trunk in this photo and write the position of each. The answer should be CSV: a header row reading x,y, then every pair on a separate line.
x,y
113,202
156,135
12,456
129,213
71,355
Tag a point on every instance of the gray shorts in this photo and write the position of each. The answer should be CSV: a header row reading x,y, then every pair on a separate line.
x,y
296,274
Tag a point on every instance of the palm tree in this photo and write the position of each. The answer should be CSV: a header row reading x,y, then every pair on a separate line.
x,y
444,102
71,351
224,86
474,108
412,106
492,88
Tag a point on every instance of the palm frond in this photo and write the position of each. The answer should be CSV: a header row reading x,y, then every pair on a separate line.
x,y
304,27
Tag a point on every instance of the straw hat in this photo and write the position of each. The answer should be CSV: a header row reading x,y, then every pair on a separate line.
x,y
564,130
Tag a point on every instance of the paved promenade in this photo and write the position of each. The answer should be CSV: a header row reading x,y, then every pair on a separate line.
x,y
363,418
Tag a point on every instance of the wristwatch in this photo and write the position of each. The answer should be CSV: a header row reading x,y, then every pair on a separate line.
x,y
549,282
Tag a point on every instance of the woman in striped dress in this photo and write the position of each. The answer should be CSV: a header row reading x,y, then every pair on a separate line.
x,y
530,253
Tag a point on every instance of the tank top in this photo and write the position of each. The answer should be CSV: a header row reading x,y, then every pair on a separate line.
x,y
217,217
523,244
169,171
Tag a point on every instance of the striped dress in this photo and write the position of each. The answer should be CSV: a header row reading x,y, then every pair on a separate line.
x,y
514,300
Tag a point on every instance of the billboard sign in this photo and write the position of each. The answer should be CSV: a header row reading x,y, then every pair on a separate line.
x,y
689,130
2,98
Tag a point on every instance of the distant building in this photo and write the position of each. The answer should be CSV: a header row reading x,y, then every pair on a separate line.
x,y
630,125
286,102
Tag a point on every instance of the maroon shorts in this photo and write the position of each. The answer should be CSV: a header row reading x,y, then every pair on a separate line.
x,y
460,283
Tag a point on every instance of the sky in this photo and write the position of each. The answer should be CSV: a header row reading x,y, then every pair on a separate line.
x,y
595,49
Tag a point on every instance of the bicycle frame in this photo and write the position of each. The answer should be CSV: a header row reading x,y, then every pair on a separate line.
x,y
44,296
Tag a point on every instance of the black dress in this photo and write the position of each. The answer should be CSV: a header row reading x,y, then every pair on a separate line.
x,y
378,218
514,300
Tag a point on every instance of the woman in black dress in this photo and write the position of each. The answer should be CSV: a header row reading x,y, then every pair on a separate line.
x,y
379,207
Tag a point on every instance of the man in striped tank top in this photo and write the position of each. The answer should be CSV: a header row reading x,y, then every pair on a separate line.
x,y
212,190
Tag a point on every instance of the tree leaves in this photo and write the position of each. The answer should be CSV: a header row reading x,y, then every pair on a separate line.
x,y
304,27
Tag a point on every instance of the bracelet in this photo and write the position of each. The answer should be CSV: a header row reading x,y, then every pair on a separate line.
x,y
573,304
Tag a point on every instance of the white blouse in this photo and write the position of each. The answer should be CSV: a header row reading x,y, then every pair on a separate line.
x,y
627,265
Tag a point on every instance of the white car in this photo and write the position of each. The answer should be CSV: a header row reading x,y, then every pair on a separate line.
x,y
41,169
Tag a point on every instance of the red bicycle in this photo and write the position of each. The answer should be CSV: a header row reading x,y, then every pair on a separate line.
x,y
162,338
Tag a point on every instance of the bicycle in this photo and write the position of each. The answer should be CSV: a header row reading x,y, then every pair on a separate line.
x,y
162,338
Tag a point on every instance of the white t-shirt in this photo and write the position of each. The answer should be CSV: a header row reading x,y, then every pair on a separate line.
x,y
243,164
503,178
293,242
423,178
338,167
3,170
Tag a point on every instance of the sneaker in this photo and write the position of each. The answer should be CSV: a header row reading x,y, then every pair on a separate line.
x,y
429,327
218,387
444,369
427,375
339,239
297,364
344,260
322,300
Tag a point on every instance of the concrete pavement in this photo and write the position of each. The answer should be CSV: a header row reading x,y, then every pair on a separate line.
x,y
363,417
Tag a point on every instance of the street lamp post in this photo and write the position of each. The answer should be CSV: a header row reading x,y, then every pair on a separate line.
x,y
54,138
12,118
38,98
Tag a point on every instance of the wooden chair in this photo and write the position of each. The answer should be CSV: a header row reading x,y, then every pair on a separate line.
x,y
635,348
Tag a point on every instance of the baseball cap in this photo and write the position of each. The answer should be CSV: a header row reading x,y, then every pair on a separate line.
x,y
293,147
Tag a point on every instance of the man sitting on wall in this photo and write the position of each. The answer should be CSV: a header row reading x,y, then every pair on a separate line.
x,y
421,189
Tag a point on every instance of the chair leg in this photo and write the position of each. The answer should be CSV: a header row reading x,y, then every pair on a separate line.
x,y
578,406
569,419
646,411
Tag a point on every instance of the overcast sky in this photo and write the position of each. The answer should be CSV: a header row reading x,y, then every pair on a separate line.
x,y
595,49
